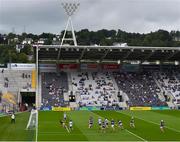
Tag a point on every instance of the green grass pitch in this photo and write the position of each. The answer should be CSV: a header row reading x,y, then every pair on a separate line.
x,y
49,129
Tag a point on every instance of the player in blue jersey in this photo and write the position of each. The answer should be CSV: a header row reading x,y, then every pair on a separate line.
x,y
120,124
90,122
112,124
132,123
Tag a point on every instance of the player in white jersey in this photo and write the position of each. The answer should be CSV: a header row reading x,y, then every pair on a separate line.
x,y
99,122
65,116
70,125
106,122
13,118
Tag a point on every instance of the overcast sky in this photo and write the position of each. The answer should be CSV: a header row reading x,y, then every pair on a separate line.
x,y
39,16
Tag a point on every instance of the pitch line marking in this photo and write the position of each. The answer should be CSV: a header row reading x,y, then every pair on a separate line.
x,y
135,135
67,129
125,130
150,122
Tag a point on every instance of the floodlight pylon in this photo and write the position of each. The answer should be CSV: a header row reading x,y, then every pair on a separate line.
x,y
70,9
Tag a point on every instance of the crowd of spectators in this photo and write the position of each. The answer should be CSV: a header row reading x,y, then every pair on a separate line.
x,y
141,88
169,83
53,87
95,88
14,76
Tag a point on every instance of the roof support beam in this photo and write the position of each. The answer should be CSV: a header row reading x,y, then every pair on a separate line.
x,y
149,55
128,53
172,54
59,54
105,54
82,54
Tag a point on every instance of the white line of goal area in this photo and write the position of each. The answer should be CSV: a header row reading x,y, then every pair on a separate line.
x,y
150,122
125,130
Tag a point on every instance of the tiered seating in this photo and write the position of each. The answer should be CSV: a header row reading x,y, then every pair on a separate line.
x,y
140,88
13,80
95,88
170,83
53,87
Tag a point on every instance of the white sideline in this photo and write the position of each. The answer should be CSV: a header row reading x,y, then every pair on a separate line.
x,y
150,122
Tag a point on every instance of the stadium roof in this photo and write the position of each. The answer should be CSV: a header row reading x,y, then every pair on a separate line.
x,y
71,53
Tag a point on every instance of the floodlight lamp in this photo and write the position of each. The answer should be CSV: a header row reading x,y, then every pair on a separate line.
x,y
70,8
157,62
176,63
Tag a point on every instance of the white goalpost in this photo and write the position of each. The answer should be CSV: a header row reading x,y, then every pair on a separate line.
x,y
33,120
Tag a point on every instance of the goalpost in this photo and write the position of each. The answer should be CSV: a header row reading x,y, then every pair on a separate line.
x,y
33,120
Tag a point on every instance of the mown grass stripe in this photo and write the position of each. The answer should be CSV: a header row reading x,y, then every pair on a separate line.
x,y
127,131
150,122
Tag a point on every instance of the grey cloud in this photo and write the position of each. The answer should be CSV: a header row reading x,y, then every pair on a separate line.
x,y
130,15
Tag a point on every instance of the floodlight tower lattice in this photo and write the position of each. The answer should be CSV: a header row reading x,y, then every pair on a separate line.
x,y
70,9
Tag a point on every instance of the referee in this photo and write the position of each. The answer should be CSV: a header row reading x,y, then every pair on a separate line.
x,y
13,119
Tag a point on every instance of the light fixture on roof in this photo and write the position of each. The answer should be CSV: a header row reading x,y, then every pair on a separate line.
x,y
176,63
157,62
118,61
98,61
47,49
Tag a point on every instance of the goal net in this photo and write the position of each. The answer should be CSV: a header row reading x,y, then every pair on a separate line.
x,y
33,120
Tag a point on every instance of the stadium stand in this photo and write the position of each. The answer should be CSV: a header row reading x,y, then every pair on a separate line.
x,y
170,83
12,82
140,88
94,88
53,87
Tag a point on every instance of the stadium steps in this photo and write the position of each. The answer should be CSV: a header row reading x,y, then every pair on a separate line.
x,y
69,81
124,95
161,97
169,94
